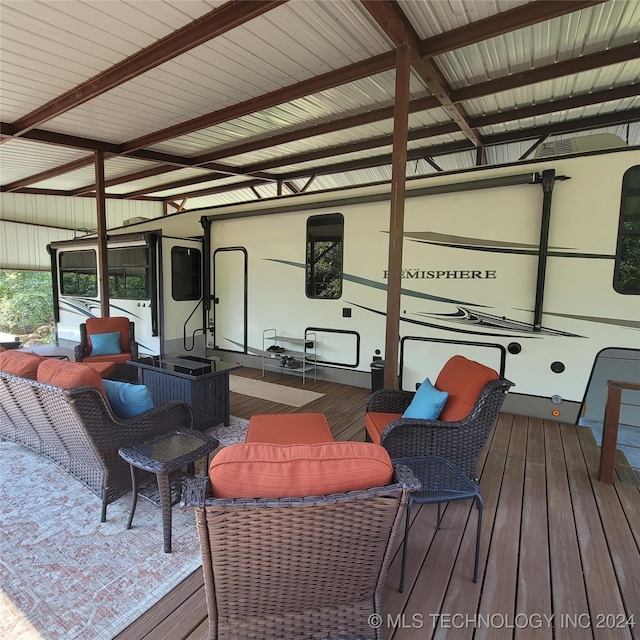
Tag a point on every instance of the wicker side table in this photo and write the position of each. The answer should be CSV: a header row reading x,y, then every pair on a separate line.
x,y
162,456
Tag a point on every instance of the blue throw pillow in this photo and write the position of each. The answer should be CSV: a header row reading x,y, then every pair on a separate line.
x,y
127,400
427,404
105,344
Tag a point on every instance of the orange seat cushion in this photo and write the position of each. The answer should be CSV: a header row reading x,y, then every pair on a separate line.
x,y
103,368
463,379
109,325
261,470
289,428
68,375
119,358
20,363
376,422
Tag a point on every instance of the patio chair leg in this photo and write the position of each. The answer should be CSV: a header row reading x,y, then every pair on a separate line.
x,y
439,514
404,547
480,505
103,513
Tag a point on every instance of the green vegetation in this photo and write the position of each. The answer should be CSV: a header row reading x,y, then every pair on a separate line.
x,y
25,302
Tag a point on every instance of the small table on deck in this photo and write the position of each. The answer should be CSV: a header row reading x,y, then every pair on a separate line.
x,y
162,456
442,481
200,382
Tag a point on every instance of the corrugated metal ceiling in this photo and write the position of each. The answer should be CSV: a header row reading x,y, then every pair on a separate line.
x,y
274,79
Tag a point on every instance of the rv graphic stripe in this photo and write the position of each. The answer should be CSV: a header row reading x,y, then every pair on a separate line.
x,y
493,246
536,336
383,287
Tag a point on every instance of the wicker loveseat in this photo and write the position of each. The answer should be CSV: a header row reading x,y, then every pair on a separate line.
x,y
77,430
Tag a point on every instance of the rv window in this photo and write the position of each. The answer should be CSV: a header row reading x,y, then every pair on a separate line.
x,y
626,278
78,273
129,273
324,256
185,273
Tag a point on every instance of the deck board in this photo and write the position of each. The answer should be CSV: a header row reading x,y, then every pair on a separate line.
x,y
555,542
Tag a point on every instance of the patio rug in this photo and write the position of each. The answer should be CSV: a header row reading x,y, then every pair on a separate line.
x,y
275,392
64,574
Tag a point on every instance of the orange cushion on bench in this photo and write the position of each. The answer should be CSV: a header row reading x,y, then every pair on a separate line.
x,y
289,428
463,379
20,363
288,471
68,375
376,423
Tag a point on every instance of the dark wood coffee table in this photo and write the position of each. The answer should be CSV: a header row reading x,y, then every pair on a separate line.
x,y
202,383
163,456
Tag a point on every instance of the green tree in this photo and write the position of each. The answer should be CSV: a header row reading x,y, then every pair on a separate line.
x,y
25,300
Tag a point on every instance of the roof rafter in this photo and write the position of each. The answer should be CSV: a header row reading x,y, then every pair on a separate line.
x,y
394,23
523,135
415,134
201,30
501,23
334,78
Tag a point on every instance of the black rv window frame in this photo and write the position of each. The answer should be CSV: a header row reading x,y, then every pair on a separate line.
x,y
129,269
324,256
186,273
78,273
626,276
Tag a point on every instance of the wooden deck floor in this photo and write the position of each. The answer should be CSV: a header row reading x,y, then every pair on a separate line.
x,y
560,551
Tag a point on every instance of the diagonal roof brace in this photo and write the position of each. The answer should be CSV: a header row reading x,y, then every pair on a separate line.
x,y
395,24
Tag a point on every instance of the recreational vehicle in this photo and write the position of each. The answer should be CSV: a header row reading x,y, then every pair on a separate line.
x,y
532,268
154,280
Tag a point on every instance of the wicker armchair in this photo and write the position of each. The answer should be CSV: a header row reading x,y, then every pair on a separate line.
x,y
459,442
128,344
298,568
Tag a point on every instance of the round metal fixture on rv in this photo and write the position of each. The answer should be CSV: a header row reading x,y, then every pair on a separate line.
x,y
556,399
557,367
555,413
514,348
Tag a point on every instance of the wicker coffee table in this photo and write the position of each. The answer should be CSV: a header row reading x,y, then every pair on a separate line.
x,y
163,456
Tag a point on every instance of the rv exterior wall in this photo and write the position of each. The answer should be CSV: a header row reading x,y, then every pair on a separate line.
x,y
469,273
469,276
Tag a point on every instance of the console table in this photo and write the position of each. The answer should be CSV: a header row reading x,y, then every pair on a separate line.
x,y
200,382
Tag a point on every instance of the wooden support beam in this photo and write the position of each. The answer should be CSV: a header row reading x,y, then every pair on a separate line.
x,y
101,215
430,160
398,28
337,77
533,147
501,23
308,184
213,24
396,217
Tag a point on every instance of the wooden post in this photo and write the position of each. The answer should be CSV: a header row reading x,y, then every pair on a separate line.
x,y
610,427
396,222
101,210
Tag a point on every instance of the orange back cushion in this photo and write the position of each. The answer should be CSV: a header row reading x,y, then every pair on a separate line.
x,y
261,470
109,325
67,375
463,379
20,363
